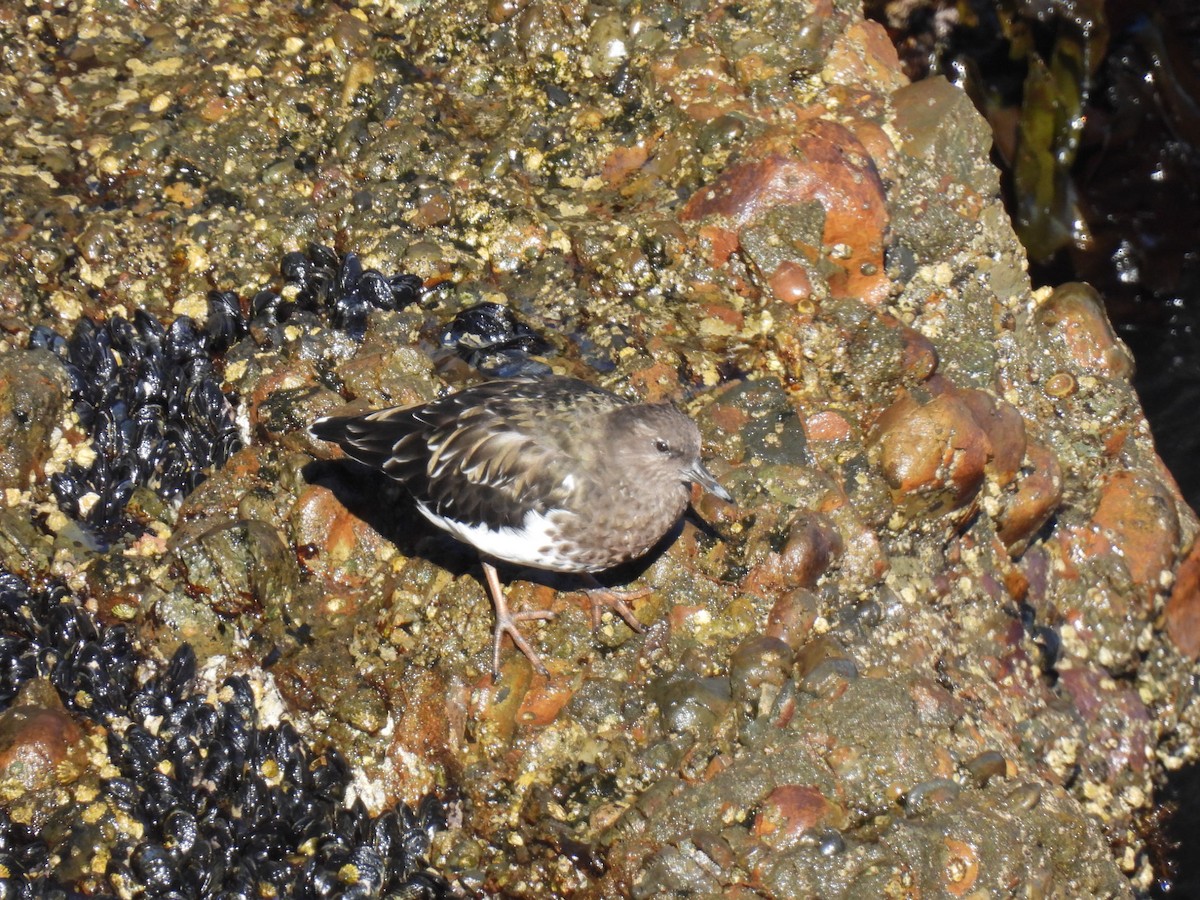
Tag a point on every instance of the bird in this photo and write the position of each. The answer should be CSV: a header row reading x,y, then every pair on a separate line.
x,y
549,473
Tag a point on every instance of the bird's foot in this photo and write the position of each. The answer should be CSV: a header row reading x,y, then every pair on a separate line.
x,y
601,596
506,623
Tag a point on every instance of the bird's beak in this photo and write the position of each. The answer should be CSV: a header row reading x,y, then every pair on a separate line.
x,y
701,476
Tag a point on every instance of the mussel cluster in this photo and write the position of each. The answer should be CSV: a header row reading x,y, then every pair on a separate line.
x,y
490,338
150,397
337,287
224,805
151,400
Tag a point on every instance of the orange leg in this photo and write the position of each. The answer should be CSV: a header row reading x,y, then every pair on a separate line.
x,y
506,623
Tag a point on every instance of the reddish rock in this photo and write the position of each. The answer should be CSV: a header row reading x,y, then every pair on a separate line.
x,y
932,455
622,161
792,809
1183,606
698,82
960,866
813,544
340,547
722,243
1136,519
827,425
864,54
819,161
1118,722
1073,321
920,359
656,383
37,735
1005,430
427,701
790,283
728,418
1035,498
792,617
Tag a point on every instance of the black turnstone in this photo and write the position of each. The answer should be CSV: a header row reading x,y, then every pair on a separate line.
x,y
551,473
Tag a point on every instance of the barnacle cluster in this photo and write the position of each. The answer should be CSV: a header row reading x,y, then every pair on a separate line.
x,y
205,799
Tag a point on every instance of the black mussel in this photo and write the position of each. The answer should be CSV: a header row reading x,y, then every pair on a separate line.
x,y
492,339
323,257
349,312
226,323
268,309
83,349
375,290
296,268
349,273
184,341
153,866
180,672
146,704
123,338
42,337
67,489
405,289
150,330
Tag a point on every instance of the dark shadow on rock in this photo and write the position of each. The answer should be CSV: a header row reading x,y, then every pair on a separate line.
x,y
388,508
1171,835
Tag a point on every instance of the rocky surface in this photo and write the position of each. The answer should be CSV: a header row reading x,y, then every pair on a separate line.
x,y
930,649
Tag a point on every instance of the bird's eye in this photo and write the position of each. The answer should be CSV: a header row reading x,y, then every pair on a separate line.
x,y
662,446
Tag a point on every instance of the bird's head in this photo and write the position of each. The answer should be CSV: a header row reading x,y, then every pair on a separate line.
x,y
662,443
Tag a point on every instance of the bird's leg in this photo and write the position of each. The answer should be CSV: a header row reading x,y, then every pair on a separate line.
x,y
601,596
506,622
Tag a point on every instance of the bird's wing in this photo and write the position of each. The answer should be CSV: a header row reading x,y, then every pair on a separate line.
x,y
487,455
503,449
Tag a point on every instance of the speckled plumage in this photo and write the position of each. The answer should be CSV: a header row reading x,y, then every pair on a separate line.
x,y
551,473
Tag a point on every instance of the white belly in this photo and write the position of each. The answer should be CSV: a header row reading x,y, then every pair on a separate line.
x,y
533,544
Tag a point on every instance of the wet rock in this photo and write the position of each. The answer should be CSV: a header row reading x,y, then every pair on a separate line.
x,y
1136,520
987,766
929,796
33,396
790,810
1183,607
792,617
665,197
692,705
1005,430
757,671
37,736
933,455
820,162
1118,727
938,124
238,569
812,545
1035,497
1073,327
340,546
